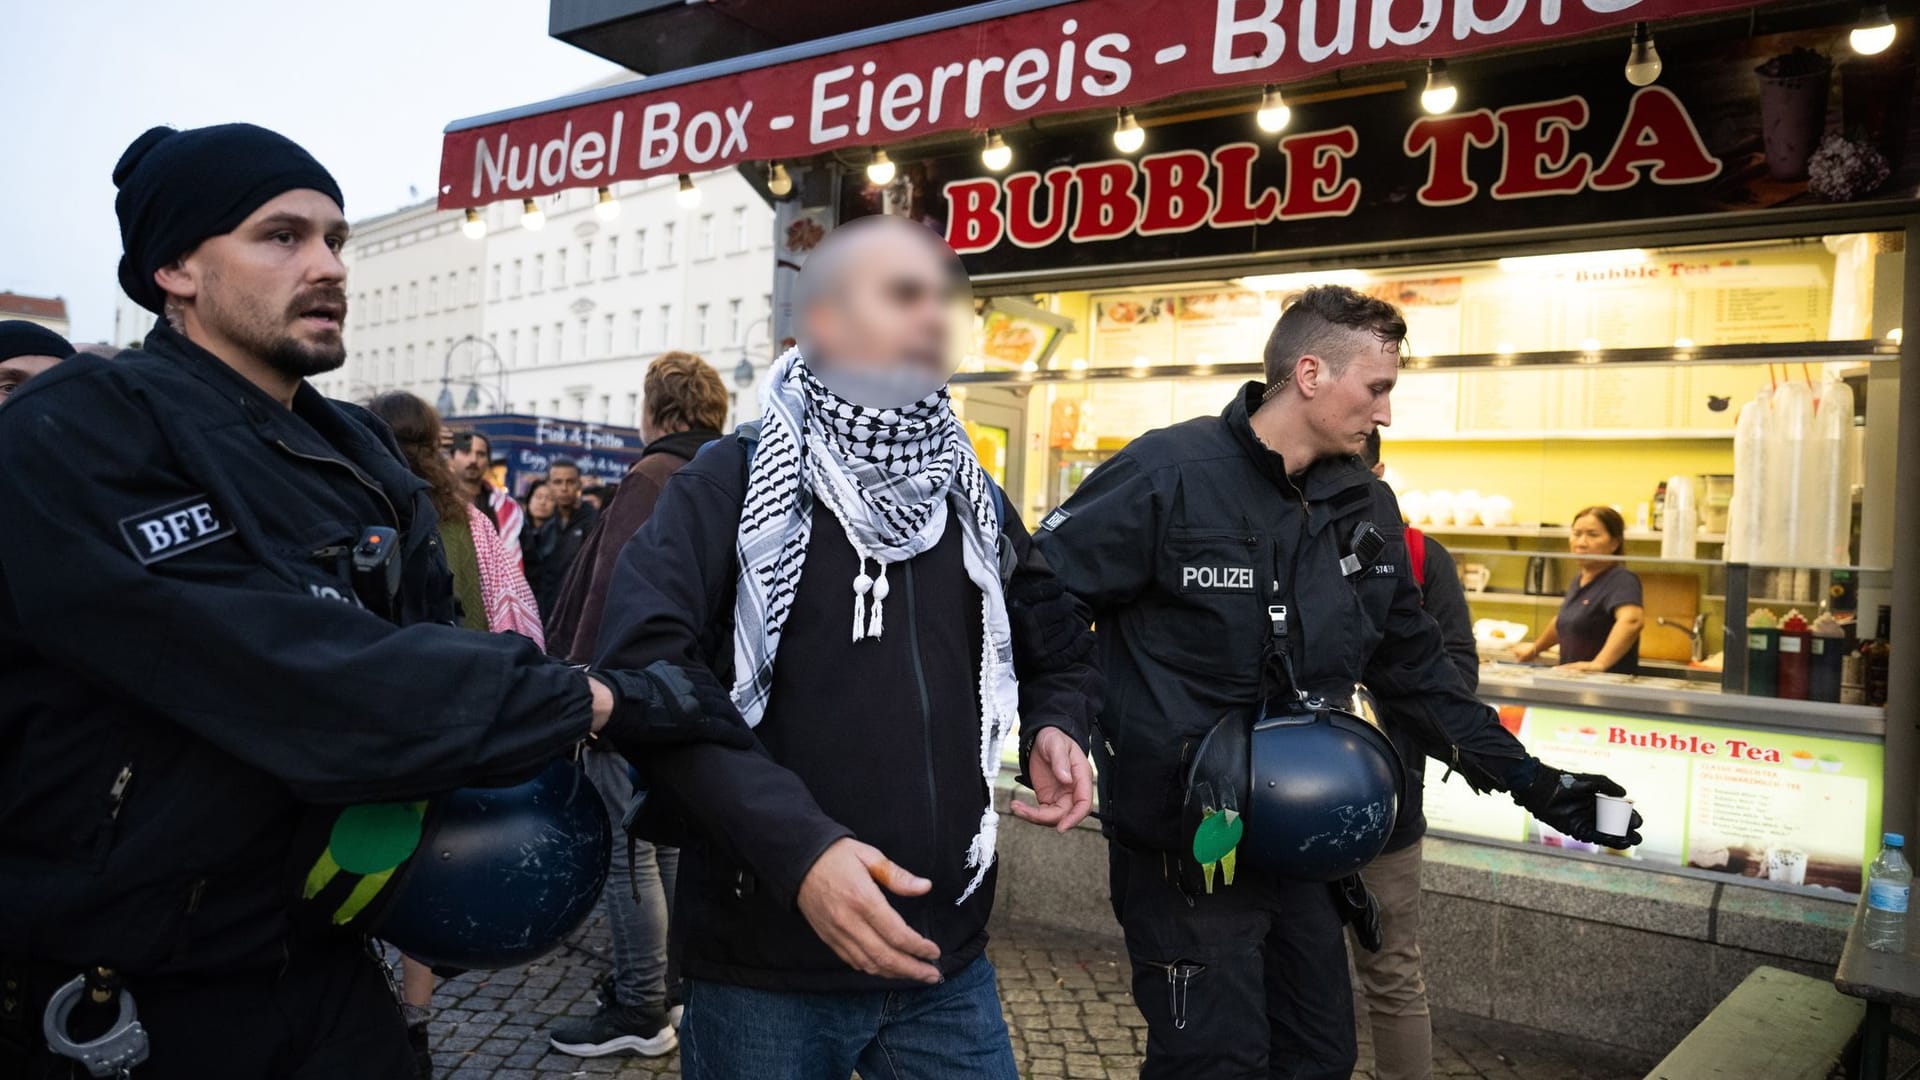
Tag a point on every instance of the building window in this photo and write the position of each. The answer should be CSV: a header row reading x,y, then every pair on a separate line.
x,y
513,348
373,311
493,283
406,373
533,346
700,326
639,250
539,272
413,299
606,336
585,349
639,341
735,327
633,409
703,239
553,407
560,268
473,285
515,284
393,304
606,408
586,260
391,373
559,345
433,294
665,333
739,228
613,256
666,245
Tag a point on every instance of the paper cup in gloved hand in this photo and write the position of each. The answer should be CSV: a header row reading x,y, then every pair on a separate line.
x,y
1613,816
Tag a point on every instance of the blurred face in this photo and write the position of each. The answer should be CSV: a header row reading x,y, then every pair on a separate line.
x,y
1343,409
274,288
1589,537
17,370
470,461
889,309
540,503
564,483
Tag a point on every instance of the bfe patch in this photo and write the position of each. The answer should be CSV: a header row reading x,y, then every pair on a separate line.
x,y
177,527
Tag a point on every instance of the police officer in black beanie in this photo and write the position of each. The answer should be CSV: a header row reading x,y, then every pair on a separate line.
x,y
223,610
26,350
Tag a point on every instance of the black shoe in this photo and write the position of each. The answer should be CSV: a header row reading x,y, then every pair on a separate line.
x,y
616,1029
422,1057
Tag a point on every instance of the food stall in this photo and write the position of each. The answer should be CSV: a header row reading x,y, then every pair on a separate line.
x,y
1677,289
525,447
1600,280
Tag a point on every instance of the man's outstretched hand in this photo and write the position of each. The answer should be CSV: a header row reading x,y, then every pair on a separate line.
x,y
1062,782
842,901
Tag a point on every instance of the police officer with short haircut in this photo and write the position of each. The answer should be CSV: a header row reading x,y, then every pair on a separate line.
x,y
224,612
1215,554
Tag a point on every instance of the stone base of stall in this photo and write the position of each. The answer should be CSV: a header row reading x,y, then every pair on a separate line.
x,y
1618,955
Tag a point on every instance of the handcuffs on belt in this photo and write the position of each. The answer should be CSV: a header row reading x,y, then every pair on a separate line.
x,y
113,1053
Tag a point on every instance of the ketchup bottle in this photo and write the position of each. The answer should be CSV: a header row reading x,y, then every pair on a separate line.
x,y
1796,647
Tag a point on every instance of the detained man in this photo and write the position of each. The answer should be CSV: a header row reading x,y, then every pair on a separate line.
x,y
885,623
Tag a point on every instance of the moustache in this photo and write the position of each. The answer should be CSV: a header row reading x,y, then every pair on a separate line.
x,y
326,300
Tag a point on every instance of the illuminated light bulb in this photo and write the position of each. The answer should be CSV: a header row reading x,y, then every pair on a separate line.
x,y
1274,114
1874,32
532,218
1894,335
996,155
1128,135
1643,57
1683,343
1141,363
1505,348
688,196
1079,363
607,207
1440,96
880,170
1030,366
475,226
779,183
1590,345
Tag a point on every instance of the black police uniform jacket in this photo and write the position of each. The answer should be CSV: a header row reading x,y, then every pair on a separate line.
x,y
1180,543
184,665
877,739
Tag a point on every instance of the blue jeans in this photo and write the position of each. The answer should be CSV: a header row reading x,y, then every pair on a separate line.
x,y
952,1031
639,895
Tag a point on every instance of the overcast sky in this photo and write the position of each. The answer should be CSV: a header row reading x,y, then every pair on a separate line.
x,y
366,85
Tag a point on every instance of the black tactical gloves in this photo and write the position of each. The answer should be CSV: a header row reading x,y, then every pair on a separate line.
x,y
1358,909
1565,801
669,705
1050,626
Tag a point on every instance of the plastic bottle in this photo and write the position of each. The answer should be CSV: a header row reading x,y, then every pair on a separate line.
x,y
1680,522
1889,881
1877,659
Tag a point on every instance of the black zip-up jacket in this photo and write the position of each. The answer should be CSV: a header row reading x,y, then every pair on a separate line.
x,y
1180,543
184,663
1445,601
876,739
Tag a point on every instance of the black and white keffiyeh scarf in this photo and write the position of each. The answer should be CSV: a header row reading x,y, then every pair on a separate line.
x,y
891,478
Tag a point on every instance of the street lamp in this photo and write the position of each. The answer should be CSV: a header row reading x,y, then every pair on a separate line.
x,y
444,402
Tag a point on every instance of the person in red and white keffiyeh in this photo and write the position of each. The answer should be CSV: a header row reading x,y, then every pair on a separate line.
x,y
471,454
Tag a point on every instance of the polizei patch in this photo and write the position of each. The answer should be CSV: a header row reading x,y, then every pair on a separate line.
x,y
1216,579
177,527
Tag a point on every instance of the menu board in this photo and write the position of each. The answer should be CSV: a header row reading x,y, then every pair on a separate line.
x,y
1431,307
1784,807
1223,327
1627,399
1131,327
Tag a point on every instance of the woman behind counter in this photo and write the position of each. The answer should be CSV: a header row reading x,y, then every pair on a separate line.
x,y
1598,625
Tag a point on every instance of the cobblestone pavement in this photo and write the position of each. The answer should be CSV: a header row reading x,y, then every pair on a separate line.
x,y
1065,995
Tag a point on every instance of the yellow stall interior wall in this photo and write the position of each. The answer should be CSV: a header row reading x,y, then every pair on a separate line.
x,y
1549,479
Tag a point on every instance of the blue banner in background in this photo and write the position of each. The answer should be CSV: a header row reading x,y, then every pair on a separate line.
x,y
529,445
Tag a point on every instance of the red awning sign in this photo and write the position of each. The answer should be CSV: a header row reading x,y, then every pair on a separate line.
x,y
1080,55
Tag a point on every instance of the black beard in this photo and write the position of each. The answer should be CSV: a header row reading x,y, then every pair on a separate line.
x,y
291,358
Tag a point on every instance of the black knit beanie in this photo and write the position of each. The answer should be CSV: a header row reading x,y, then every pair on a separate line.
x,y
19,337
177,188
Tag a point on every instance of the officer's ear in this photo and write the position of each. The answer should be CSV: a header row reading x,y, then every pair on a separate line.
x,y
1308,372
177,281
